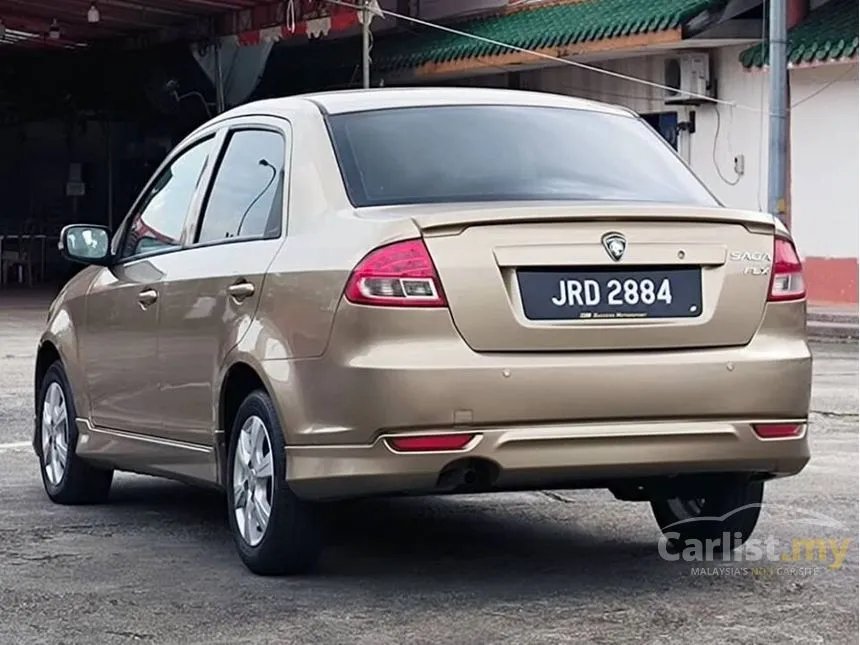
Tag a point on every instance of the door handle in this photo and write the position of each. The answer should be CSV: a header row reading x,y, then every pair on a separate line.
x,y
147,297
241,290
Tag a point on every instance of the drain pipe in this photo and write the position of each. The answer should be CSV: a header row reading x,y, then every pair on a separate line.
x,y
778,124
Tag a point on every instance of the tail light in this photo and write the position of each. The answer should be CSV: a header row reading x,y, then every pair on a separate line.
x,y
786,282
397,275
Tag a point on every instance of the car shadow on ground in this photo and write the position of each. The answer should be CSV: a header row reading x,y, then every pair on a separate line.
x,y
440,538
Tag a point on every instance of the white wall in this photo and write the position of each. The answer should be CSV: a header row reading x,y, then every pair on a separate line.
x,y
724,132
824,160
575,81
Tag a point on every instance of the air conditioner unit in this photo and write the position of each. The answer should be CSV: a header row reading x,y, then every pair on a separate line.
x,y
689,76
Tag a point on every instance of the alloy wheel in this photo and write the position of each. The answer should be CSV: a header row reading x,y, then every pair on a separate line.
x,y
253,480
55,434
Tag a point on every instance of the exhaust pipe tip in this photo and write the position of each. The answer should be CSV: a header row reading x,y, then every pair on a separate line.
x,y
468,475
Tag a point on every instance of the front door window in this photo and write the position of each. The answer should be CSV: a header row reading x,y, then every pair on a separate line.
x,y
157,225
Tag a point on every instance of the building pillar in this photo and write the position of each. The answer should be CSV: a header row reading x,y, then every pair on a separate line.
x,y
796,11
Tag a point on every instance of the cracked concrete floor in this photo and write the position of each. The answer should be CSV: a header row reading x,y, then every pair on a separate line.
x,y
156,565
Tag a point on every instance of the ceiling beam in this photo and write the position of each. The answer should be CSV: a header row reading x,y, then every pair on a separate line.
x,y
241,22
135,24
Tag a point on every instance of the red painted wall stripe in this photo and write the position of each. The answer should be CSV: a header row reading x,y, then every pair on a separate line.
x,y
831,280
339,22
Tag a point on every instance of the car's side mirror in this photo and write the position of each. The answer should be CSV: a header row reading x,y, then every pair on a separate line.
x,y
87,243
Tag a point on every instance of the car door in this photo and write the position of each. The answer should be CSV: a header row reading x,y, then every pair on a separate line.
x,y
119,341
214,285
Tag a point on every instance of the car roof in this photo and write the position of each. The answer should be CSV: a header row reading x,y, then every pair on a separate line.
x,y
343,101
382,98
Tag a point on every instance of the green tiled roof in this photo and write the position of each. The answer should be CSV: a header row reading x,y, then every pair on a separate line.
x,y
827,33
557,25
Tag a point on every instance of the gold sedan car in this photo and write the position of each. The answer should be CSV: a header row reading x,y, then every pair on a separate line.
x,y
426,291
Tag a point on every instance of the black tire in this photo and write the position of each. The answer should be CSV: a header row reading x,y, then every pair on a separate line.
x,y
80,482
731,511
291,540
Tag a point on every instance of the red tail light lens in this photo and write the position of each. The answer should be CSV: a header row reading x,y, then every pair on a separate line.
x,y
786,281
397,275
778,430
430,443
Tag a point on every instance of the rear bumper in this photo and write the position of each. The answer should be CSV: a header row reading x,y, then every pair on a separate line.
x,y
549,456
541,416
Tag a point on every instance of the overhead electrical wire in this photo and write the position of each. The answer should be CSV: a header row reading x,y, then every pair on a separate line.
x,y
538,54
564,61
599,70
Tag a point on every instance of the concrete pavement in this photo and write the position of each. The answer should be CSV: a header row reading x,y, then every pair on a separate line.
x,y
156,564
832,323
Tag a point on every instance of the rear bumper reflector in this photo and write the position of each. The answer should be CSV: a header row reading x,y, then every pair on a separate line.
x,y
430,443
778,430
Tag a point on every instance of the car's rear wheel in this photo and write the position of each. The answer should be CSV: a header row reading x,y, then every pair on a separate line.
x,y
67,478
728,512
275,532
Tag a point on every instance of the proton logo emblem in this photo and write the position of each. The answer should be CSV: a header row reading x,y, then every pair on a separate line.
x,y
615,245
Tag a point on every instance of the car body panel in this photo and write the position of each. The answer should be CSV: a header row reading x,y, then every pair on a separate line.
x,y
582,401
548,457
306,280
65,314
478,267
149,455
672,412
119,348
399,97
199,324
421,375
443,219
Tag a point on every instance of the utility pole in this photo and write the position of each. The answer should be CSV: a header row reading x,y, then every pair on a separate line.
x,y
777,172
365,43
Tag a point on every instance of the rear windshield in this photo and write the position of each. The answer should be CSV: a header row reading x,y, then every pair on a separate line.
x,y
423,155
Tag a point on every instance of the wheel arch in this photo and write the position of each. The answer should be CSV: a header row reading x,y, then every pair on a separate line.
x,y
239,381
239,378
62,348
46,355
59,341
58,349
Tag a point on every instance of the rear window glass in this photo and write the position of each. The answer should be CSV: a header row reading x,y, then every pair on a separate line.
x,y
461,153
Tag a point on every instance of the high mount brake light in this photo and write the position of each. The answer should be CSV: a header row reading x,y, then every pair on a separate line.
x,y
786,281
397,275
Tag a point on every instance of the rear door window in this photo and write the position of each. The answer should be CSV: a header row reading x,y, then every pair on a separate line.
x,y
246,197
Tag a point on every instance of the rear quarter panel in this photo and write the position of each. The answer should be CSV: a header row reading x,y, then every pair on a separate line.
x,y
303,287
324,241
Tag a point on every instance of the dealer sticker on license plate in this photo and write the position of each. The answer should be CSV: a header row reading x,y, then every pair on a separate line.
x,y
653,293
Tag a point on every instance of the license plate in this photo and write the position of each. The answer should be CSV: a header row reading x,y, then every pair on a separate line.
x,y
582,295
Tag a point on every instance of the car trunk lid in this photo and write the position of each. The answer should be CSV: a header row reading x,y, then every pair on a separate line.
x,y
544,277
